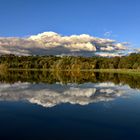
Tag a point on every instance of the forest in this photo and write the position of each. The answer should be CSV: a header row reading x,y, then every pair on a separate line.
x,y
11,61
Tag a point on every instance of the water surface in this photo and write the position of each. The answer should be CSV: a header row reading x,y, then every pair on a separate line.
x,y
84,106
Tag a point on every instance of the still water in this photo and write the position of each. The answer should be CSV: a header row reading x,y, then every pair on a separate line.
x,y
84,106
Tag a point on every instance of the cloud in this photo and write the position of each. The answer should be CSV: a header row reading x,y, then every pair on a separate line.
x,y
108,34
51,43
103,54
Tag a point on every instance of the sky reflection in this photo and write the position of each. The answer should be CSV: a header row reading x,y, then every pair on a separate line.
x,y
48,95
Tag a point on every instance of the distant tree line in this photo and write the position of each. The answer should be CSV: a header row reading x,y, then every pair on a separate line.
x,y
70,62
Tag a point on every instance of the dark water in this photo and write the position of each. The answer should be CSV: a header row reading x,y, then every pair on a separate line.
x,y
80,106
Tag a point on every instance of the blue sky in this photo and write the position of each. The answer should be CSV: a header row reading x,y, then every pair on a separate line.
x,y
115,19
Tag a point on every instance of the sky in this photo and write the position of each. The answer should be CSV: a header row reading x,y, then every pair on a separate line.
x,y
114,19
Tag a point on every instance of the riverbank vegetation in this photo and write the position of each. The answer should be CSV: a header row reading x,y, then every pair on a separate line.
x,y
70,62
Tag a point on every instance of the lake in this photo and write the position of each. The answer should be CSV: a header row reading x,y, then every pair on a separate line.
x,y
47,105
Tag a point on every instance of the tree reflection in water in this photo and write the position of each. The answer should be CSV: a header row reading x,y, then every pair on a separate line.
x,y
66,77
49,89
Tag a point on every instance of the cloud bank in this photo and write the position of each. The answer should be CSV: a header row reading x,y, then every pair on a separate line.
x,y
51,43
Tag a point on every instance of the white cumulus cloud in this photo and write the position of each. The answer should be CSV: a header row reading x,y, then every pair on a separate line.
x,y
51,43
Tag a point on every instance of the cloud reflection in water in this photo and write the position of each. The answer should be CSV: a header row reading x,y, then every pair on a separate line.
x,y
48,95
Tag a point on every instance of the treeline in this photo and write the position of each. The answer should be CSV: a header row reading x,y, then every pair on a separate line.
x,y
70,62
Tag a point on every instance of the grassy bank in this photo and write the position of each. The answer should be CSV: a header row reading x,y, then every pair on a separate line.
x,y
123,71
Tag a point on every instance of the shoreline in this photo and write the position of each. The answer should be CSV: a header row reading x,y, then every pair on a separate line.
x,y
123,71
